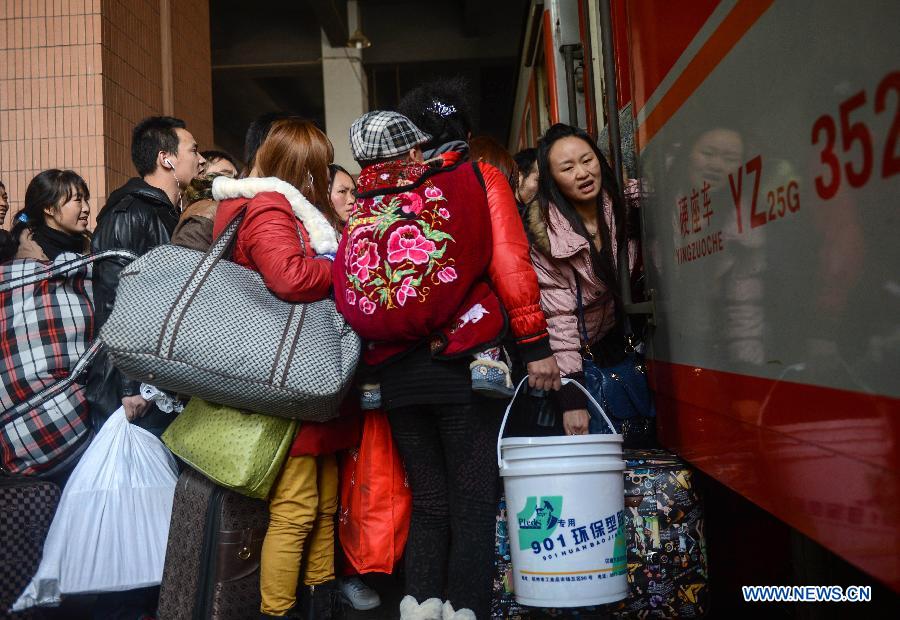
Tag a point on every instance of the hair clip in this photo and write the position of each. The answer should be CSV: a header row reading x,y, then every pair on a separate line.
x,y
441,109
22,217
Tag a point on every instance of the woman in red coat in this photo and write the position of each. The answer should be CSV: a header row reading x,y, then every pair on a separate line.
x,y
288,235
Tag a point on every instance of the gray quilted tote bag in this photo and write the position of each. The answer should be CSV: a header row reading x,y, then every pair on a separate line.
x,y
197,324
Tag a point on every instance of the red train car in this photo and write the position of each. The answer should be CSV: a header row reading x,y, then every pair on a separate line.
x,y
768,136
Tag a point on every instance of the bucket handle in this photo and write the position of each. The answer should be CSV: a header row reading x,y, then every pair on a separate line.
x,y
565,380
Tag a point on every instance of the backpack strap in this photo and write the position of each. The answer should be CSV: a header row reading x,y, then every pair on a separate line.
x,y
385,191
478,175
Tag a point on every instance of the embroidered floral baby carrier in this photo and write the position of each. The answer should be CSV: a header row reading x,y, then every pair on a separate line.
x,y
414,254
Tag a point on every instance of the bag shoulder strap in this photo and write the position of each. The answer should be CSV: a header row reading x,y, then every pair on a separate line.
x,y
56,270
217,251
302,240
224,242
579,309
479,176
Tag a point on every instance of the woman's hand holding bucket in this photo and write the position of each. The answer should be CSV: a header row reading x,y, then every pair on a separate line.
x,y
576,421
544,374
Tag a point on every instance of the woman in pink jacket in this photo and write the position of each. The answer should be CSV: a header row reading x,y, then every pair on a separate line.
x,y
576,228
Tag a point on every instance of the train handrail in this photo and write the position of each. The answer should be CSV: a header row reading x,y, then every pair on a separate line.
x,y
615,150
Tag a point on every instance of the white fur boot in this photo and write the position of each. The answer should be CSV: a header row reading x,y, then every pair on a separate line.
x,y
462,614
411,609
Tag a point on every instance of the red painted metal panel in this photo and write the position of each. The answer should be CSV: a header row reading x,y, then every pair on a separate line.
x,y
623,61
823,460
660,32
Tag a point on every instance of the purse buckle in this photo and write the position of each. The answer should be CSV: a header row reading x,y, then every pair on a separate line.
x,y
586,352
246,540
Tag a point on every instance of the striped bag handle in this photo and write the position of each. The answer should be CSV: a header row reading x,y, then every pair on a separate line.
x,y
54,270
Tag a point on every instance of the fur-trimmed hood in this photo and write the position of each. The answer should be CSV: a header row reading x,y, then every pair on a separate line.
x,y
322,235
554,236
536,227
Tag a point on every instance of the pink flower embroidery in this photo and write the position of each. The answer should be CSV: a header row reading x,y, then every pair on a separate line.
x,y
447,274
350,296
407,242
406,290
365,257
433,193
367,305
411,203
384,176
444,213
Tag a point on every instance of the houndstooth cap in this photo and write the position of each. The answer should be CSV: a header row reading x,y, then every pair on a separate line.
x,y
382,134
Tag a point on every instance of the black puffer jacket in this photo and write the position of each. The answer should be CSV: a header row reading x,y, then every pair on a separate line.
x,y
137,217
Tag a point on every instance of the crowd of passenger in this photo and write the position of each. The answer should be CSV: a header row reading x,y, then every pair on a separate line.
x,y
539,237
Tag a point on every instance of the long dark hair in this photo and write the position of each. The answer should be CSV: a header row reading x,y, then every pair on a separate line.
x,y
603,262
50,188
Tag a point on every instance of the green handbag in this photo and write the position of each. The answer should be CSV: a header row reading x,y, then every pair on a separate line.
x,y
241,451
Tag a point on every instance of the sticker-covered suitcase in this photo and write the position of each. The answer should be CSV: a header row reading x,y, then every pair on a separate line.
x,y
212,556
503,601
27,506
667,564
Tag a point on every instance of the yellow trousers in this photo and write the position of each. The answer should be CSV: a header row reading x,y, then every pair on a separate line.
x,y
301,512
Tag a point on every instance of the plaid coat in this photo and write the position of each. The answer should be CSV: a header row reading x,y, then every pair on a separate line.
x,y
44,328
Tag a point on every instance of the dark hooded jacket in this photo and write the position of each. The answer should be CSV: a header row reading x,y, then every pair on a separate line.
x,y
137,217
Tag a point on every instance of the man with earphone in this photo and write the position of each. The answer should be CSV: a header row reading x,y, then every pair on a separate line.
x,y
139,216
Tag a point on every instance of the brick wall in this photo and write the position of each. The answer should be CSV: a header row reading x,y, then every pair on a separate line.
x,y
191,61
75,77
50,93
132,78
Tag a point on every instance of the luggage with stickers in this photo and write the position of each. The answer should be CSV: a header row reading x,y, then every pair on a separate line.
x,y
667,563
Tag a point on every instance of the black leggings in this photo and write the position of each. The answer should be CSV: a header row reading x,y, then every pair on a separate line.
x,y
450,457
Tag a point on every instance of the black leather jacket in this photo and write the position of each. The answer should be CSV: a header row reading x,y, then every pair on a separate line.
x,y
137,217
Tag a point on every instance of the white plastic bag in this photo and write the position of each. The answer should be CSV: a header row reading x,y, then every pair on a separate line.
x,y
110,530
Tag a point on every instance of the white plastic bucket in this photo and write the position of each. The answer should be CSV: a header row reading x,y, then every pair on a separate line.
x,y
565,501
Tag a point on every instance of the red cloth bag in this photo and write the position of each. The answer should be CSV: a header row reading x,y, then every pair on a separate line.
x,y
376,503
